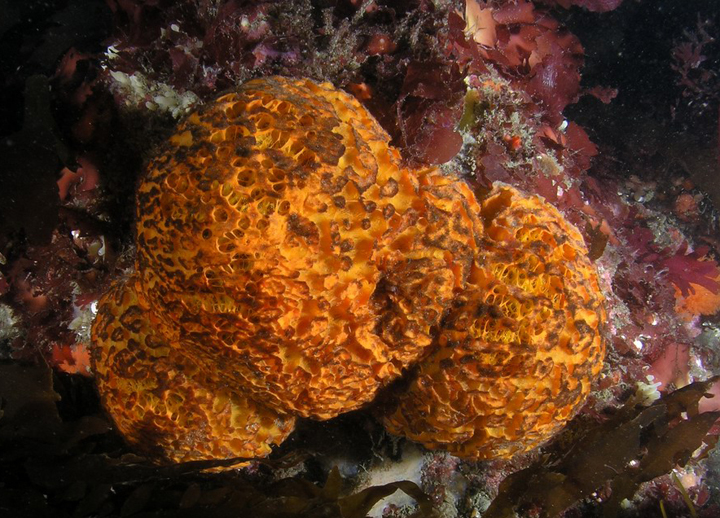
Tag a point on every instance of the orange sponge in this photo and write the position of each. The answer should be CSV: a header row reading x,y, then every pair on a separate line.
x,y
162,402
518,351
287,265
278,235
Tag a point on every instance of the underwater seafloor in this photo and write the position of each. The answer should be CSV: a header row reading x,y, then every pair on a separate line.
x,y
608,109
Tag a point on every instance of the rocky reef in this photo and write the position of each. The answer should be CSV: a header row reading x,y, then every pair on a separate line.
x,y
580,135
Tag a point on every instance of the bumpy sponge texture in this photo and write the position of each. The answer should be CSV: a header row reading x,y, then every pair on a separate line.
x,y
266,232
518,351
282,254
289,266
162,402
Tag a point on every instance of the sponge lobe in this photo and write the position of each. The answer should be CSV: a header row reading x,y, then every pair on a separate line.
x,y
163,403
518,351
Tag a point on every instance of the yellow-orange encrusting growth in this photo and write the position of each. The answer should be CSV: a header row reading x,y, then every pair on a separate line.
x,y
288,265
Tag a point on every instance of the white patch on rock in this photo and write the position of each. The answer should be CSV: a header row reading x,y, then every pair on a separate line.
x,y
9,328
138,91
647,393
409,467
